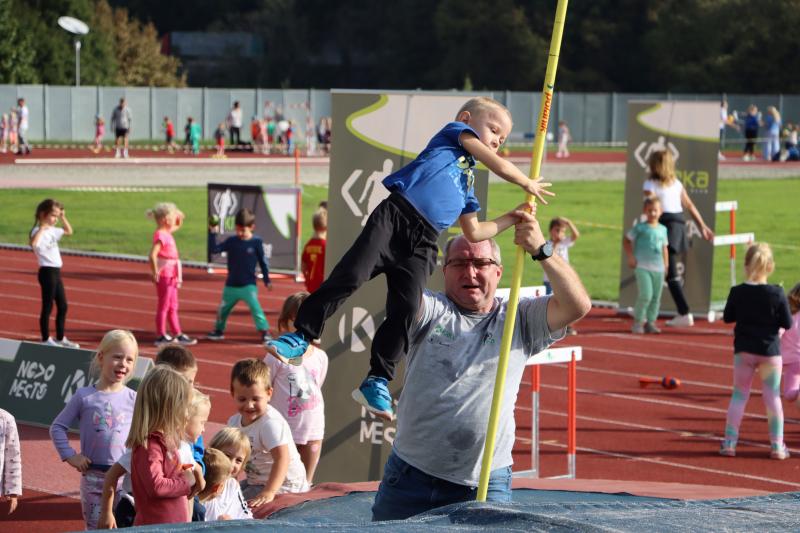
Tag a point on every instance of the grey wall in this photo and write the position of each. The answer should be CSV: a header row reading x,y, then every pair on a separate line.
x,y
62,113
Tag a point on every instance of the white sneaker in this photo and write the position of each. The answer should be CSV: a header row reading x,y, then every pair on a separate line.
x,y
66,343
51,342
117,154
681,321
125,153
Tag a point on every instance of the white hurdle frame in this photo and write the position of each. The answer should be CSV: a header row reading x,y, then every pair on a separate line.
x,y
733,238
570,355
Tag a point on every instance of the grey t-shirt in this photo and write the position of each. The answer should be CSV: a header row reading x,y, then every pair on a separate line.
x,y
444,407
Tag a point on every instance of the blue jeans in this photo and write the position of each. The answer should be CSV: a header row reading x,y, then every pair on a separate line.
x,y
407,491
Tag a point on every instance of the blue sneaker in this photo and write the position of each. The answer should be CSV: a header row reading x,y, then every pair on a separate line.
x,y
374,395
290,345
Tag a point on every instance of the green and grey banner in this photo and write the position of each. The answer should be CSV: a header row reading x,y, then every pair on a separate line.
x,y
276,212
690,130
36,380
374,135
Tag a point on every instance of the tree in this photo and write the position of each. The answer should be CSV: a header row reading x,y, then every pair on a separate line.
x,y
137,50
16,61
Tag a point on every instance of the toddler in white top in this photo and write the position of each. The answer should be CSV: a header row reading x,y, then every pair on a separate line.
x,y
226,501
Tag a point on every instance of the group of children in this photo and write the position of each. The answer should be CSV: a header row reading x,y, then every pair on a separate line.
x,y
398,240
143,459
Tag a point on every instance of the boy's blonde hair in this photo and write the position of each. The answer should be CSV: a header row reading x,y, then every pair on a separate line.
x,y
113,339
231,437
161,210
161,405
289,310
758,259
662,167
794,298
218,470
482,104
320,219
249,371
198,399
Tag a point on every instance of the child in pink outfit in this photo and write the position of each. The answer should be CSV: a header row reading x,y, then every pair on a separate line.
x,y
790,349
297,390
165,268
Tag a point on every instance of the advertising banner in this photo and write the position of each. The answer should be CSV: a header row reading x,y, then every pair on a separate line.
x,y
276,211
36,380
690,130
374,135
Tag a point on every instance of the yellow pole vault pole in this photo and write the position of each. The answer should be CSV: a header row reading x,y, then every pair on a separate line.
x,y
513,299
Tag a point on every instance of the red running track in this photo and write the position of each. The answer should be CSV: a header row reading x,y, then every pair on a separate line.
x,y
624,432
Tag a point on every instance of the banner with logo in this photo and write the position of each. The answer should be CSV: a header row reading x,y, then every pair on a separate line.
x,y
375,134
276,211
690,130
36,380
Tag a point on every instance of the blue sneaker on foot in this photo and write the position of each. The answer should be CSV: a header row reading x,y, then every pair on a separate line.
x,y
290,345
374,395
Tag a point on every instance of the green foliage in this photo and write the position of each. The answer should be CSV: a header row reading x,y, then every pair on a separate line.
x,y
117,50
16,60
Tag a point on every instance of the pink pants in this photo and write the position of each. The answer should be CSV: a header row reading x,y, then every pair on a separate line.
x,y
167,289
745,366
791,380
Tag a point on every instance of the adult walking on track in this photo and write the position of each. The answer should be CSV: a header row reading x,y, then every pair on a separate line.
x,y
121,125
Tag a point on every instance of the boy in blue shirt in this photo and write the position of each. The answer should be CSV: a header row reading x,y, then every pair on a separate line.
x,y
244,250
399,239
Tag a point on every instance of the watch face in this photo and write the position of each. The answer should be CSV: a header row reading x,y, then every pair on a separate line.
x,y
547,249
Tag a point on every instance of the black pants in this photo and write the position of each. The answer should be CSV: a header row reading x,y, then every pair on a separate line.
x,y
235,137
396,241
750,136
52,290
674,283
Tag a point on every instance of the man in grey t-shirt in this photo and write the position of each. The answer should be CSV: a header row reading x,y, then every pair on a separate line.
x,y
121,126
452,362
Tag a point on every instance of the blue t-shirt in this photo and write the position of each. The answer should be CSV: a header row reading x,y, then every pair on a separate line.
x,y
648,245
439,183
242,259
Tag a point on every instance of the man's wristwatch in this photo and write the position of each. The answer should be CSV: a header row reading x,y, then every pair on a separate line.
x,y
545,252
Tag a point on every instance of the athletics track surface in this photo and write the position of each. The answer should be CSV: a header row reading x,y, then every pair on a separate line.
x,y
624,432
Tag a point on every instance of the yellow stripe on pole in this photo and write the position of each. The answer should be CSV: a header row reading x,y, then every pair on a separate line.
x,y
513,300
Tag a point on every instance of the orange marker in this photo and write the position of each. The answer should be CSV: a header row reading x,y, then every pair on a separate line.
x,y
668,382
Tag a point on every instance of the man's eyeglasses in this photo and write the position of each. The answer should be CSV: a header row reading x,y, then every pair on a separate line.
x,y
478,263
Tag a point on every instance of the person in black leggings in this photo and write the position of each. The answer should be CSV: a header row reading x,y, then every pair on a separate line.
x,y
44,238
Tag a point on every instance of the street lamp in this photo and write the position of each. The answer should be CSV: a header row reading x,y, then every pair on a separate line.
x,y
77,28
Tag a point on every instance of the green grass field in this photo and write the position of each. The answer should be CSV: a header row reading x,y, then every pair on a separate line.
x,y
116,222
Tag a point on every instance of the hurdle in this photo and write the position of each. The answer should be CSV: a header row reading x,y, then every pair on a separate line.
x,y
733,238
570,355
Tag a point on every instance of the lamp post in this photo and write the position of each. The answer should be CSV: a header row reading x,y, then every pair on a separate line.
x,y
77,28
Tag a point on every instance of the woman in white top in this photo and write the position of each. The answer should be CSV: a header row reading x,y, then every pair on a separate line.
x,y
44,239
662,183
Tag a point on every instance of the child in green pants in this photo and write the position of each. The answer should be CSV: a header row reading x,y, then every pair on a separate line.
x,y
244,250
646,247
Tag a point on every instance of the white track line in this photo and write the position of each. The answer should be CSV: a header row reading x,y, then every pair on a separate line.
x,y
588,349
661,462
659,339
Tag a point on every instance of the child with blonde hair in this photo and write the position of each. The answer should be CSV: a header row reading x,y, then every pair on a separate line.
x,y
298,390
165,269
790,349
10,461
104,412
123,513
217,472
662,184
99,132
161,483
400,237
312,261
229,502
759,311
275,466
